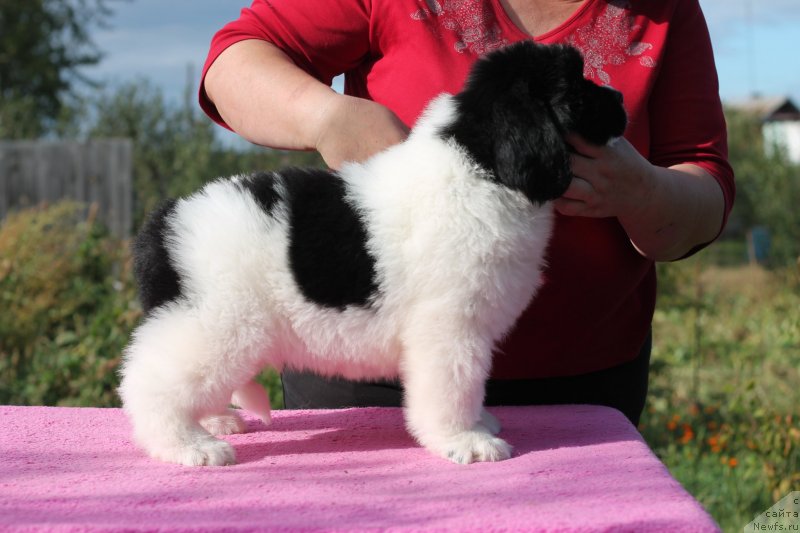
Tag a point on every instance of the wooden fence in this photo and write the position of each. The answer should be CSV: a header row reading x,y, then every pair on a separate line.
x,y
97,171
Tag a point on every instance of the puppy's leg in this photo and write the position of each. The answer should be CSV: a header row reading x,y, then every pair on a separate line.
x,y
254,398
174,374
444,377
226,423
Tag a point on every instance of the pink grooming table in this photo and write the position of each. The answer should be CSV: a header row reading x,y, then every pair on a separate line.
x,y
574,468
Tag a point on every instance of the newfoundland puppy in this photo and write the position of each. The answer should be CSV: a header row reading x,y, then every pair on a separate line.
x,y
413,263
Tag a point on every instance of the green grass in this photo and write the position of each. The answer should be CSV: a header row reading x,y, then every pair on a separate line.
x,y
725,386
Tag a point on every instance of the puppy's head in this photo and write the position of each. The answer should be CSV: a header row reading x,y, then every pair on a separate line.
x,y
519,103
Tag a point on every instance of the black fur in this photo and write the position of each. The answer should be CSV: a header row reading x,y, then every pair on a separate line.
x,y
328,242
157,279
554,97
261,185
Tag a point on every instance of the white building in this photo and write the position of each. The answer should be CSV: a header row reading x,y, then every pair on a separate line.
x,y
780,119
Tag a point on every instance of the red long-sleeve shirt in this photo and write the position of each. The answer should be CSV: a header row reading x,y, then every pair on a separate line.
x,y
595,308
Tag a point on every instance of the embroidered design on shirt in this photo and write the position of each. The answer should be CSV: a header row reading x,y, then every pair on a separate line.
x,y
609,40
473,22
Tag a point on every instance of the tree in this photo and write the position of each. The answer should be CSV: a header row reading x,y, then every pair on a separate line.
x,y
767,187
43,45
173,144
175,151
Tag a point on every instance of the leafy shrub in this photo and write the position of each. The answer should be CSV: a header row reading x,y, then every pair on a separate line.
x,y
768,186
68,307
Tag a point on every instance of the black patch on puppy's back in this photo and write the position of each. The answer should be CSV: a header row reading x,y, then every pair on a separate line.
x,y
328,241
261,185
157,279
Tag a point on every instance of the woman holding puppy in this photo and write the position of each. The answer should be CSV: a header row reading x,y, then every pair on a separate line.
x,y
659,194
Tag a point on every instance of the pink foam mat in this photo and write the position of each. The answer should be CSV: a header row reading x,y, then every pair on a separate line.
x,y
574,468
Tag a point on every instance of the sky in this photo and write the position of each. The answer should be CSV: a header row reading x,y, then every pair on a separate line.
x,y
756,43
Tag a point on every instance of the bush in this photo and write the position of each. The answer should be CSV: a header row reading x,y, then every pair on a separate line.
x,y
67,294
69,302
767,188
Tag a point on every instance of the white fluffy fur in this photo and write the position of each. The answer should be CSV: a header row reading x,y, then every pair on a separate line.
x,y
458,258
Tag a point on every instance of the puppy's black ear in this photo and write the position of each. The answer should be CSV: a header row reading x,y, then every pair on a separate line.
x,y
509,121
530,154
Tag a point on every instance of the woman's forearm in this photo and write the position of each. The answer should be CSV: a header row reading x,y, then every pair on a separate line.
x,y
264,97
683,208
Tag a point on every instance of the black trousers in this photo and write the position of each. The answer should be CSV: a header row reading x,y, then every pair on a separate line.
x,y
622,387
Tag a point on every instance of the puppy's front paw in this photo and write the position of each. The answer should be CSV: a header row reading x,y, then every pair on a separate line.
x,y
226,424
204,452
471,446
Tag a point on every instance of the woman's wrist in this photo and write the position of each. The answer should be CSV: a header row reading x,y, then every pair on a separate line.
x,y
681,207
353,129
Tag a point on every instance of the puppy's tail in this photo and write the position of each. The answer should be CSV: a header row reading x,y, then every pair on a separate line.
x,y
253,397
156,277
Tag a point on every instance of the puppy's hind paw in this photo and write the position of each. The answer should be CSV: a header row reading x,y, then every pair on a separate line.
x,y
226,424
474,446
205,452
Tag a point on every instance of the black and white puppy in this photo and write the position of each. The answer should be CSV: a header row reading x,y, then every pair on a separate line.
x,y
411,264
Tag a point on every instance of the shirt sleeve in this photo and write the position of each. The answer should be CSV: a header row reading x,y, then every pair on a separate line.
x,y
323,37
687,122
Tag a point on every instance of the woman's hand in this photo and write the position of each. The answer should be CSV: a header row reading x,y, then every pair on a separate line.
x,y
353,129
608,181
666,212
